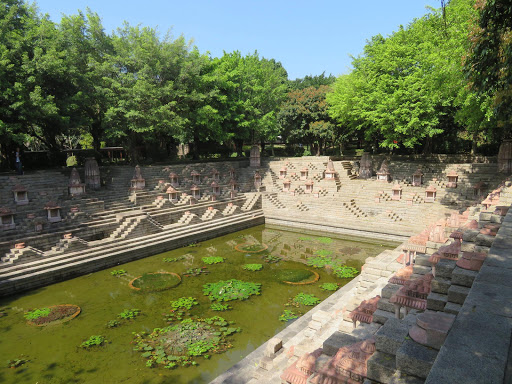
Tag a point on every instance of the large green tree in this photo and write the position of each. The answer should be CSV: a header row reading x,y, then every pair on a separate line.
x,y
304,119
251,90
406,89
489,61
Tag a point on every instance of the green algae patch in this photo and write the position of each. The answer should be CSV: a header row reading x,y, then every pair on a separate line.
x,y
297,276
155,281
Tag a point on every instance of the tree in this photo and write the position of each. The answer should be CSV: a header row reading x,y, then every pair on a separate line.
x,y
406,89
251,90
88,48
304,119
489,61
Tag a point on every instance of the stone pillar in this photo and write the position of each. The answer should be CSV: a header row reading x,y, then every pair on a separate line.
x,y
92,173
255,160
365,167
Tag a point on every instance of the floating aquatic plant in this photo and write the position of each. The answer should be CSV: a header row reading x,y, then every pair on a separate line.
x,y
184,302
128,314
306,299
93,341
118,272
288,315
329,286
253,267
231,290
213,260
179,344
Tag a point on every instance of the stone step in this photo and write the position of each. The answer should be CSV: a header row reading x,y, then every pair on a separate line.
x,y
457,294
415,359
436,301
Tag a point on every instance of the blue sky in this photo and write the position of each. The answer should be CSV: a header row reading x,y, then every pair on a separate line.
x,y
306,37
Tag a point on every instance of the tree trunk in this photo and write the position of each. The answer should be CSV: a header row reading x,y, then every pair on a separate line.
x,y
473,145
239,147
427,149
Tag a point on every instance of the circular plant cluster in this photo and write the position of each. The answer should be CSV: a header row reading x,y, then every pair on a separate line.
x,y
297,276
155,281
231,290
52,315
251,247
253,267
178,344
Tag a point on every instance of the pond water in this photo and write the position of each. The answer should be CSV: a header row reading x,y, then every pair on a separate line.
x,y
54,354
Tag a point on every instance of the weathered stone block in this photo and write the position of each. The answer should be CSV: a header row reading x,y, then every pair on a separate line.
x,y
402,378
389,290
266,363
421,269
484,240
498,219
273,346
452,308
336,341
463,277
444,268
440,285
457,294
380,316
422,260
468,247
469,236
436,301
415,359
381,367
385,305
485,216
391,336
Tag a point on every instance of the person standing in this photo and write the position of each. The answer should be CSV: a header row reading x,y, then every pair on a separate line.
x,y
17,161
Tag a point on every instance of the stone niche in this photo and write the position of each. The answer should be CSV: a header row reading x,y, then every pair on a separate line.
x,y
75,187
286,185
20,194
138,182
397,192
430,194
330,172
383,173
233,185
304,173
282,172
365,166
215,175
173,194
452,179
6,219
505,157
257,180
309,186
53,210
255,159
196,177
173,177
417,178
196,192
215,188
232,173
478,189
92,173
